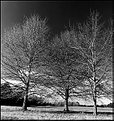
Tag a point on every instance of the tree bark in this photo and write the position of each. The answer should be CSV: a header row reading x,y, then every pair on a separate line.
x,y
94,89
95,99
25,103
24,107
95,106
66,100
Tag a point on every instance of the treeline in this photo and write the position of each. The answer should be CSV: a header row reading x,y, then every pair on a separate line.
x,y
12,97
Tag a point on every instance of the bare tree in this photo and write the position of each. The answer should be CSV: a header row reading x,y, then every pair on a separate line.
x,y
60,62
93,40
22,48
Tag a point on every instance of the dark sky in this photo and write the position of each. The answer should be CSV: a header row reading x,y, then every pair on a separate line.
x,y
58,13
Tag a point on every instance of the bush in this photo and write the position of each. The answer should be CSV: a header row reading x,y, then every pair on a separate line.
x,y
35,101
6,90
74,103
58,104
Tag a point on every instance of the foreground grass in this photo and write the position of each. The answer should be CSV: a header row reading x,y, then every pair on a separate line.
x,y
41,113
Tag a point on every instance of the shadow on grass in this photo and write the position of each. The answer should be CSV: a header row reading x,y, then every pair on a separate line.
x,y
9,118
78,112
37,109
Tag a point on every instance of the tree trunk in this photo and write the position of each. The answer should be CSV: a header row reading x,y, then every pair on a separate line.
x,y
94,99
24,107
66,100
25,103
95,106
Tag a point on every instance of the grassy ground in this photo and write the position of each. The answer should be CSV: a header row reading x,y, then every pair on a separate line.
x,y
42,112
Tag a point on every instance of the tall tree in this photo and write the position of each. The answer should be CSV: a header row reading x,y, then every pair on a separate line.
x,y
60,63
93,40
22,48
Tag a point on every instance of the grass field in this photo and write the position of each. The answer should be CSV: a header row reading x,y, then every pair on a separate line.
x,y
51,113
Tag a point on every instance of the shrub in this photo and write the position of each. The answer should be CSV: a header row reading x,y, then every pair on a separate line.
x,y
35,101
74,103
